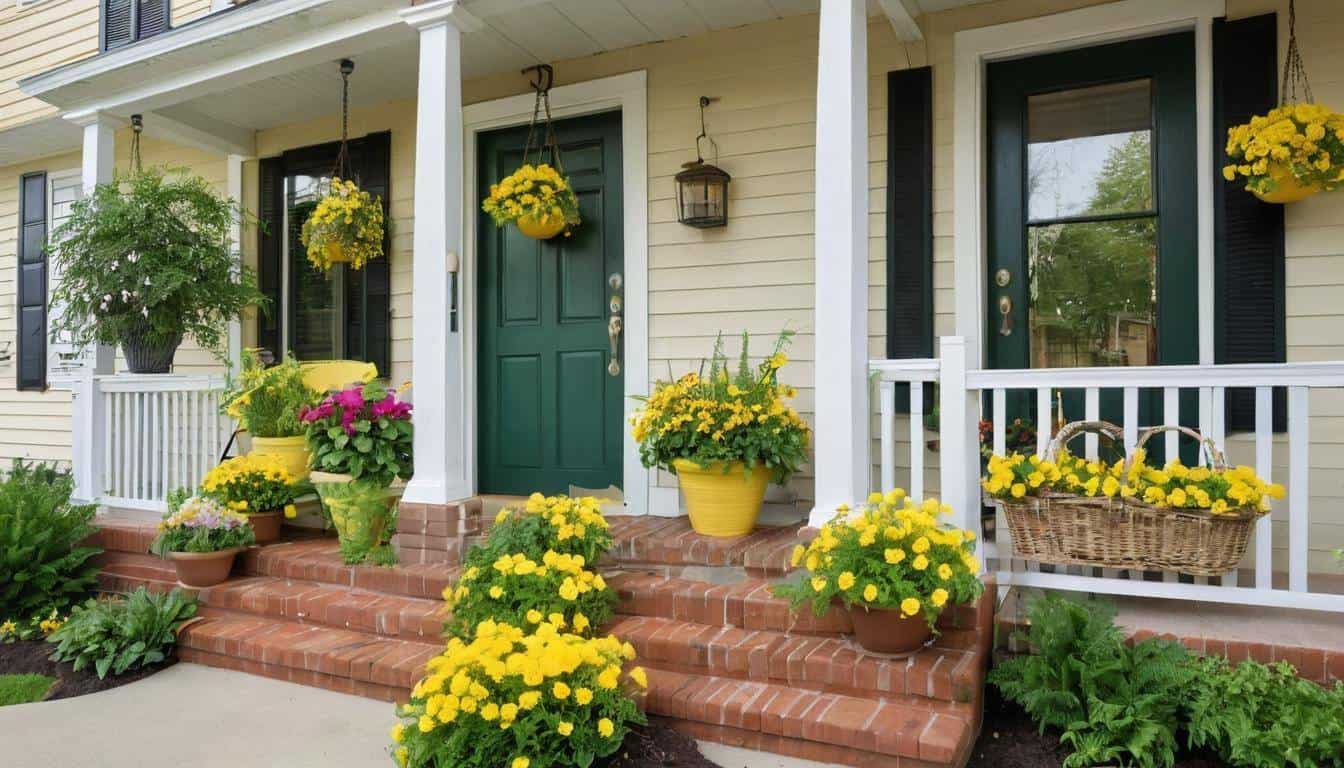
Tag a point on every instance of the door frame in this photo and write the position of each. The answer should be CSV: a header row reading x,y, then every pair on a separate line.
x,y
628,94
973,49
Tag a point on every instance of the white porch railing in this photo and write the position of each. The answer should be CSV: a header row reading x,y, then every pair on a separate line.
x,y
962,392
144,435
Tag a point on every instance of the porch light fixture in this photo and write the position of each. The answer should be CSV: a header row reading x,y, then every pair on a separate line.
x,y
702,189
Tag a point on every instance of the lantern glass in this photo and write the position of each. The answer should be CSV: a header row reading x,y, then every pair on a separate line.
x,y
702,196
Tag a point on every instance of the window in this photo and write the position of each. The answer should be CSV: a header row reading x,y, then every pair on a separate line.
x,y
125,21
63,188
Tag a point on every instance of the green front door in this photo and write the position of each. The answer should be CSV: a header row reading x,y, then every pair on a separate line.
x,y
550,400
1092,218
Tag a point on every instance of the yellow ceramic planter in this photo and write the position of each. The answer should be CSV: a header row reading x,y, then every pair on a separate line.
x,y
722,503
1287,189
330,375
336,254
293,451
542,229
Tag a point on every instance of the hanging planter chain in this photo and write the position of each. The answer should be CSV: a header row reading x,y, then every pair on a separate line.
x,y
542,85
1294,72
342,168
137,125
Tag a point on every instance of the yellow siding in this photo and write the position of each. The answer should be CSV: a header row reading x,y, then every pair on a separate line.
x,y
36,39
184,11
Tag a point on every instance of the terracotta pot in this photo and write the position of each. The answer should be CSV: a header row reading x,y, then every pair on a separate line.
x,y
885,630
203,569
722,503
265,525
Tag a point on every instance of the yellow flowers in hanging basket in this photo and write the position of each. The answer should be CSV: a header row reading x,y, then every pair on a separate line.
x,y
1289,154
346,227
537,199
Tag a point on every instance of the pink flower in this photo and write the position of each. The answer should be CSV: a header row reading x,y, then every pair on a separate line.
x,y
350,399
391,408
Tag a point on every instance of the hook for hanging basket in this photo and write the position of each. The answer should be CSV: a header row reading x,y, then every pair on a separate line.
x,y
544,80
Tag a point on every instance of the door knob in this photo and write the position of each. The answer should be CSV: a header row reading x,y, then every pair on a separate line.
x,y
614,336
1006,310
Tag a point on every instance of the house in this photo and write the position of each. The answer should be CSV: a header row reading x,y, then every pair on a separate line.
x,y
919,188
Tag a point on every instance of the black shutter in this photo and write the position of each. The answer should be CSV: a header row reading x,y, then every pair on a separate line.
x,y
32,287
910,219
117,23
368,331
1248,234
152,18
269,252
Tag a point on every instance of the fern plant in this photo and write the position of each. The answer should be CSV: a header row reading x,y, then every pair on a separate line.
x,y
1259,716
44,566
1114,704
119,634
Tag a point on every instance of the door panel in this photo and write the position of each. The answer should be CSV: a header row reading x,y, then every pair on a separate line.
x,y
550,410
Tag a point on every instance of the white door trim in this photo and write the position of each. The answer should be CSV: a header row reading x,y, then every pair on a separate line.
x,y
627,93
973,48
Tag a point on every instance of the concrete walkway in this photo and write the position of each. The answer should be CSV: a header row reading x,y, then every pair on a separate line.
x,y
214,718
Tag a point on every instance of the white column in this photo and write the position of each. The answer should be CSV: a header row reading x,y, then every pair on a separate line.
x,y
234,190
88,431
436,368
841,445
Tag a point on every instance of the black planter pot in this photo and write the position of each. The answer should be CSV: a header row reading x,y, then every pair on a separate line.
x,y
144,355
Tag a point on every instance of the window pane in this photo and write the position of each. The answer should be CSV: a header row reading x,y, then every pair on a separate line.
x,y
1093,293
315,333
1089,151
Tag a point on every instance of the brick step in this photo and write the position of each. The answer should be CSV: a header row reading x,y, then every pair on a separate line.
x,y
944,676
670,541
355,662
125,572
319,560
121,534
317,604
822,726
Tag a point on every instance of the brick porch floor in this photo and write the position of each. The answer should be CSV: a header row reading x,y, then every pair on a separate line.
x,y
727,661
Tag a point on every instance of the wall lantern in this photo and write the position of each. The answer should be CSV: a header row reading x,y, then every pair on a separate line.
x,y
702,189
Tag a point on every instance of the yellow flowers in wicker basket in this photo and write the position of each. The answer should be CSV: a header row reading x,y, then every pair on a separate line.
x,y
535,198
1289,154
346,227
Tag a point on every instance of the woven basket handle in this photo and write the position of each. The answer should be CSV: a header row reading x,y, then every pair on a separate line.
x,y
1076,428
1217,461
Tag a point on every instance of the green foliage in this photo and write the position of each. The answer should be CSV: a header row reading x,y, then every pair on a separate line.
x,y
147,255
363,431
267,401
1259,716
364,514
23,689
115,635
565,525
1115,704
43,565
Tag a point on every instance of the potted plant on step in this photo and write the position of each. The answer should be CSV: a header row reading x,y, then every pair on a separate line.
x,y
201,538
726,436
361,440
146,261
258,486
266,403
892,565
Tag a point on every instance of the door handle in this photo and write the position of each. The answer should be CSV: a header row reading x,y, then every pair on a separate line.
x,y
614,324
1006,310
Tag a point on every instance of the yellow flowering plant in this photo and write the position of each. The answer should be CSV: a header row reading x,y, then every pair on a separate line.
x,y
518,700
201,524
1293,143
890,553
252,483
266,401
346,226
561,524
537,192
553,589
722,417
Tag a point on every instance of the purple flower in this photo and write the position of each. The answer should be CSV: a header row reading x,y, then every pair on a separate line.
x,y
350,399
309,415
391,408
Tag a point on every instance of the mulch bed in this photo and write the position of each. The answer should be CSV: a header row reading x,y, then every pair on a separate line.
x,y
657,745
31,657
1009,739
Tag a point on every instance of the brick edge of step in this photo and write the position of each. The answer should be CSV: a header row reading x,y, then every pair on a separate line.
x,y
289,674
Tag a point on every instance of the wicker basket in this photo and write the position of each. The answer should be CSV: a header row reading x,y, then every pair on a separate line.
x,y
1068,529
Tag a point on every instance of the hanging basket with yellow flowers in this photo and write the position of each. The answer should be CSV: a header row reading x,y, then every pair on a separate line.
x,y
346,227
1294,151
536,199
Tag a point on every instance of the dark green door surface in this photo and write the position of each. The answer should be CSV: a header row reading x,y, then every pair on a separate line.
x,y
1092,181
550,413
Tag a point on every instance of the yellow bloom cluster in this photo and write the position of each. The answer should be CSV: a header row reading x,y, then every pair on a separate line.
x,y
1232,491
8,629
572,525
52,623
347,221
538,192
1304,140
252,483
890,553
546,691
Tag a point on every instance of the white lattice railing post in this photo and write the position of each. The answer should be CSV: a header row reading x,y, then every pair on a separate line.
x,y
958,412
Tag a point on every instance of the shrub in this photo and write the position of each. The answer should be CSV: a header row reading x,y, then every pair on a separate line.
x,y
1259,716
725,418
363,431
515,589
892,553
44,568
512,699
1113,703
201,524
559,524
266,401
251,483
115,635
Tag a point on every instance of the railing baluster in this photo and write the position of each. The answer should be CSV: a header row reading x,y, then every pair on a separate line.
x,y
916,439
1091,412
1042,420
1218,433
886,396
1131,425
1171,414
1000,421
1264,466
1298,491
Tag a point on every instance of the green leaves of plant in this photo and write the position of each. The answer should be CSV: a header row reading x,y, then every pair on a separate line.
x,y
124,633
